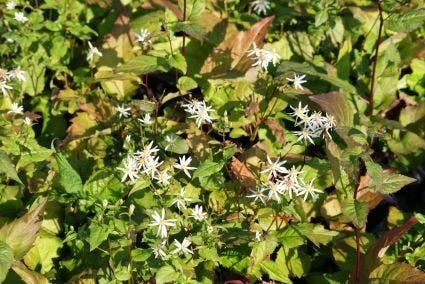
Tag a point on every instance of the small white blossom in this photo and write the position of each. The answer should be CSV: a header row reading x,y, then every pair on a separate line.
x,y
210,229
275,190
307,189
200,111
163,177
10,5
143,37
297,81
159,250
197,213
162,223
263,57
147,120
130,169
15,108
148,150
27,121
123,111
258,193
151,165
300,113
304,135
4,87
261,6
20,17
182,247
329,124
181,200
273,168
170,139
183,165
92,51
18,74
258,235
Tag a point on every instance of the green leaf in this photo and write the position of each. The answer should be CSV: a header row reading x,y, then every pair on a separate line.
x,y
356,211
166,274
194,8
393,182
144,64
98,234
178,61
290,237
290,66
6,259
321,17
139,255
376,176
316,233
192,29
397,273
7,167
144,105
20,234
294,261
68,177
275,271
406,21
208,254
207,168
179,145
186,83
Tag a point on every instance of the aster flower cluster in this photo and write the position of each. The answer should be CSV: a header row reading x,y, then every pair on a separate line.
x,y
200,111
313,125
260,6
6,76
263,57
282,181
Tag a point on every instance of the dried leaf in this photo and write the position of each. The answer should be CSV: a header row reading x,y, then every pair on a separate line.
x,y
278,130
29,277
80,125
230,53
251,109
397,273
242,173
21,233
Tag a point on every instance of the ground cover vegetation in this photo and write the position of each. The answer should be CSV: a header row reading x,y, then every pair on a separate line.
x,y
197,141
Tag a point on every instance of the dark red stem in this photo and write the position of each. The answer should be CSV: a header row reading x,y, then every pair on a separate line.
x,y
375,59
184,34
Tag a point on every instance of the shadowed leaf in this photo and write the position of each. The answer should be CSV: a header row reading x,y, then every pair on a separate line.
x,y
242,173
7,167
30,277
277,130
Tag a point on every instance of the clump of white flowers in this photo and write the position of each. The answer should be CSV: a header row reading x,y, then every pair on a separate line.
x,y
313,125
200,111
6,76
263,57
281,181
261,6
20,17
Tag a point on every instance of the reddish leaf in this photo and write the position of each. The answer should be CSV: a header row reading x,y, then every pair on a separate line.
x,y
278,130
242,173
336,104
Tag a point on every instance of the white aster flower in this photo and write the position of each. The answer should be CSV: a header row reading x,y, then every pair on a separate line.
x,y
329,124
182,247
18,74
20,17
258,193
143,37
290,185
300,113
148,150
275,190
261,6
273,168
200,113
162,223
150,165
4,87
181,200
263,57
27,121
316,122
159,250
297,81
123,111
131,169
305,135
92,51
170,139
258,235
197,213
163,177
15,108
10,5
147,120
307,189
183,165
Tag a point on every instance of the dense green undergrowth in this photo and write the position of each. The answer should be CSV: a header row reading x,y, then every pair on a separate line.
x,y
199,141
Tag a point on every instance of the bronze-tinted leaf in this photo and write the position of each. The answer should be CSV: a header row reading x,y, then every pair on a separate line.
x,y
29,277
242,173
277,130
336,104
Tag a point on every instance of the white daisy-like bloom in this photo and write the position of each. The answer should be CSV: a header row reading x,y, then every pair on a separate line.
x,y
305,135
148,150
143,37
163,177
180,200
307,189
159,250
27,121
92,51
183,165
197,213
315,123
297,81
274,168
162,223
258,235
131,169
123,111
290,185
16,108
201,114
263,57
10,5
170,139
20,17
329,124
150,165
183,246
193,106
293,173
275,190
18,74
210,229
258,193
4,87
261,6
300,113
146,120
